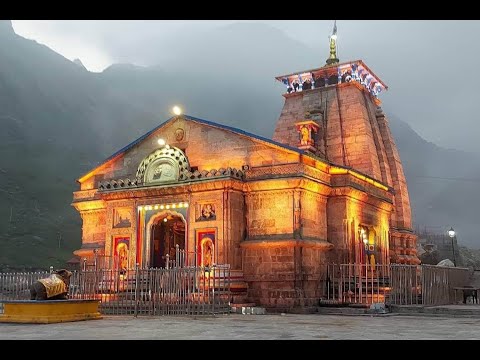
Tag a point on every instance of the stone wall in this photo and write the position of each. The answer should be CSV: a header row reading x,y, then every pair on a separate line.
x,y
284,276
349,135
356,135
270,214
94,226
235,227
199,199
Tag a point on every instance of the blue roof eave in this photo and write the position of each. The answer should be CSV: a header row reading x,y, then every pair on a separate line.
x,y
201,121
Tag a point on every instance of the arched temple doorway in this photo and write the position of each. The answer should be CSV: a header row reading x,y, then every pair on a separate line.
x,y
166,232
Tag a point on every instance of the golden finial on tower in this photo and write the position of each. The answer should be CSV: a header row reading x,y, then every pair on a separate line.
x,y
333,46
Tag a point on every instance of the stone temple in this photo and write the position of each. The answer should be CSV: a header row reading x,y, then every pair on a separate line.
x,y
328,188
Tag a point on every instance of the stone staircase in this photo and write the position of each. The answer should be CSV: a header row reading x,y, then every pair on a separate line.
x,y
239,303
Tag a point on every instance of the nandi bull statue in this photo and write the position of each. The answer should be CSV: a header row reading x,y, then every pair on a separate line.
x,y
55,287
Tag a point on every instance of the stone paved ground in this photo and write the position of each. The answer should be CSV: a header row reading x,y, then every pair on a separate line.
x,y
239,327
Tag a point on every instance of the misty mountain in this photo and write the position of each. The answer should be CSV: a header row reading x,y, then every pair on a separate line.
x,y
58,120
79,63
442,184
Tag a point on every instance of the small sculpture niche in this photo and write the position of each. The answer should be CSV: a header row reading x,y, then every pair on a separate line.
x,y
307,131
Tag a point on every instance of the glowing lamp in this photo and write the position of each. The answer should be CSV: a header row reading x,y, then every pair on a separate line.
x,y
165,220
167,207
451,232
156,207
162,207
365,241
185,205
161,142
140,208
176,110
174,206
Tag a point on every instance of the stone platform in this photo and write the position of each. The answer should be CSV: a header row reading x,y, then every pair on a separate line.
x,y
49,311
454,310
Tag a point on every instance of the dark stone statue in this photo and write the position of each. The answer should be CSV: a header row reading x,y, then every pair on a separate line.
x,y
55,287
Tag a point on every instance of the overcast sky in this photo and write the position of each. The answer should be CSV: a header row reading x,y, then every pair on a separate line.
x,y
428,65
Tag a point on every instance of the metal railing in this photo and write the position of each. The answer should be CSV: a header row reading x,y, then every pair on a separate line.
x,y
425,284
174,290
356,283
16,286
169,291
101,261
394,284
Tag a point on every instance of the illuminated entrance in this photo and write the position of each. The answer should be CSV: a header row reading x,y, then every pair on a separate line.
x,y
166,233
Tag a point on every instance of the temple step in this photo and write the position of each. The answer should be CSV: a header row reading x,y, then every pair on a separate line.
x,y
248,310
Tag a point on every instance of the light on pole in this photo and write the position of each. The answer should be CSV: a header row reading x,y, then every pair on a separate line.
x,y
451,233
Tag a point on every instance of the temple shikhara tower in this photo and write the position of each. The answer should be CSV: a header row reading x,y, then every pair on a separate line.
x,y
328,188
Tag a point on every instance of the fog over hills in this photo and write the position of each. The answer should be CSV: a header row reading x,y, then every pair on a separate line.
x,y
59,120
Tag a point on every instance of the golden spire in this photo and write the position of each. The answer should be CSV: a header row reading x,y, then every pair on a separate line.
x,y
333,46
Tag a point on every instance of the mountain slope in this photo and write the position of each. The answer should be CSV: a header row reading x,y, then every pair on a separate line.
x,y
442,183
57,121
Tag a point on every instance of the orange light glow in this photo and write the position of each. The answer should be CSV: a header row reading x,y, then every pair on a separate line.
x,y
337,171
99,168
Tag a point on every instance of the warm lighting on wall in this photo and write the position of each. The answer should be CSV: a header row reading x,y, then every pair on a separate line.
x,y
163,206
337,170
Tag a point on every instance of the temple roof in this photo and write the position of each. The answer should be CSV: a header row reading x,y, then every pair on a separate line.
x,y
200,121
242,133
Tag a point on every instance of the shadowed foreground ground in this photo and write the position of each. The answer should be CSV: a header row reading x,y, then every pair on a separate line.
x,y
239,327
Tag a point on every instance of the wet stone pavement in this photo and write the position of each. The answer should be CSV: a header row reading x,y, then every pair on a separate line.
x,y
256,327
